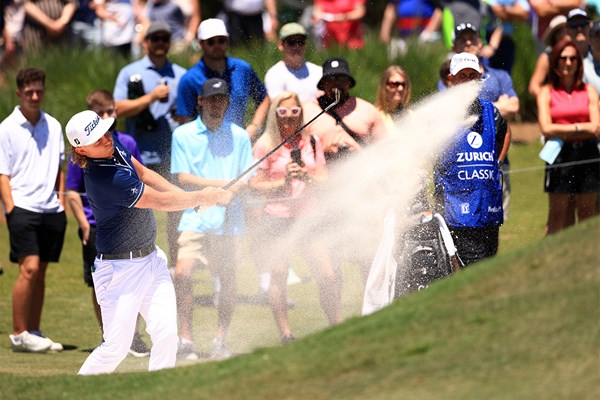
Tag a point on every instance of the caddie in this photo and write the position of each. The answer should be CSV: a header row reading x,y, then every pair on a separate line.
x,y
468,176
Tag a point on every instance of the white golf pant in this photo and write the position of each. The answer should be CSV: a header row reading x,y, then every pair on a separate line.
x,y
124,288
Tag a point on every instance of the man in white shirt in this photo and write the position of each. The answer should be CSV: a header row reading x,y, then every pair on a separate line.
x,y
31,152
293,73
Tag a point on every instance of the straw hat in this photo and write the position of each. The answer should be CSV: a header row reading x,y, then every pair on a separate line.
x,y
558,22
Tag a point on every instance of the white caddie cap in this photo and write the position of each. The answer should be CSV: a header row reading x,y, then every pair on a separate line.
x,y
463,61
210,28
86,127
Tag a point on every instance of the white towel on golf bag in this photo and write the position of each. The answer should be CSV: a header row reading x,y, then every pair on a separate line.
x,y
446,236
379,290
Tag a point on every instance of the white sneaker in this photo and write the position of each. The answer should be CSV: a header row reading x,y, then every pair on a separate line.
x,y
25,342
54,347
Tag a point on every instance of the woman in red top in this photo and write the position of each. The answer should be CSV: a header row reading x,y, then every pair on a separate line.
x,y
568,109
286,179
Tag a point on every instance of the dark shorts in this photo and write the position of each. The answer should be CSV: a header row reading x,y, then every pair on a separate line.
x,y
89,255
475,244
34,233
580,178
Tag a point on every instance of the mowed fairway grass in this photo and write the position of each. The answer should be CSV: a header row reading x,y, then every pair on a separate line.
x,y
524,325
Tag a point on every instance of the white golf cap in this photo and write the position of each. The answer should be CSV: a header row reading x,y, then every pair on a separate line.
x,y
463,61
210,28
86,127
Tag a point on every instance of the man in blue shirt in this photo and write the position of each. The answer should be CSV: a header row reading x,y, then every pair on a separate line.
x,y
243,82
209,151
468,183
130,272
497,84
146,93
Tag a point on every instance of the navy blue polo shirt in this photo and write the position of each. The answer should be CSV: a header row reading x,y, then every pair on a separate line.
x,y
113,189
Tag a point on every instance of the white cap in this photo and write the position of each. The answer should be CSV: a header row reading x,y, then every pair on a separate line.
x,y
86,127
210,28
462,61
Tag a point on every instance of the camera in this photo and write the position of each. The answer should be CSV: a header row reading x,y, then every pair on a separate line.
x,y
135,87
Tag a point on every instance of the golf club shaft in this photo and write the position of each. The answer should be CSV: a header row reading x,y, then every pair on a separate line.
x,y
257,163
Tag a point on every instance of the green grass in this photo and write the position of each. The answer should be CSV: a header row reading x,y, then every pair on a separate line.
x,y
529,204
521,326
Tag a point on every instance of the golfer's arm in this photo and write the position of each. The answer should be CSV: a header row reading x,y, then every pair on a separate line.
x,y
153,179
180,200
6,193
198,182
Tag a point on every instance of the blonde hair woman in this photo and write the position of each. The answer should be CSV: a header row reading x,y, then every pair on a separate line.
x,y
286,179
393,94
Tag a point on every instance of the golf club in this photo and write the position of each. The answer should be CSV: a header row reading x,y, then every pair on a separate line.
x,y
257,163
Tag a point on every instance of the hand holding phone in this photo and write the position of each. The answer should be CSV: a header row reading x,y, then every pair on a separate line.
x,y
297,156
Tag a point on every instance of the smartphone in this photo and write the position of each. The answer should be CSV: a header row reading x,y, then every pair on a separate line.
x,y
297,156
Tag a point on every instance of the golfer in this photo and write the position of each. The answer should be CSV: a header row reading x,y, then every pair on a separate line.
x,y
130,273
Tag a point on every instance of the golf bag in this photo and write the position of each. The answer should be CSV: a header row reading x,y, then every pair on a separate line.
x,y
423,254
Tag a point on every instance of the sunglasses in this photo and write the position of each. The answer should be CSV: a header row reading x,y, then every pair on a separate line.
x,y
395,84
284,111
570,58
337,78
575,25
160,38
295,42
216,40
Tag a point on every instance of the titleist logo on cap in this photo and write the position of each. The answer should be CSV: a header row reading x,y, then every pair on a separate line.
x,y
90,127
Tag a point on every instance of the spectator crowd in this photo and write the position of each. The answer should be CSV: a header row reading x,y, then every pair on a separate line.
x,y
190,132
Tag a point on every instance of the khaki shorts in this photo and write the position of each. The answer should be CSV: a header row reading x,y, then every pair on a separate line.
x,y
209,250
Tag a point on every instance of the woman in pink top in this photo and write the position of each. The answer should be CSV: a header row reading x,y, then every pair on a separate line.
x,y
568,109
286,179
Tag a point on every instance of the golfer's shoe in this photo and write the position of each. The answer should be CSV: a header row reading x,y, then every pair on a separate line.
x,y
54,347
186,350
138,347
25,342
220,350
